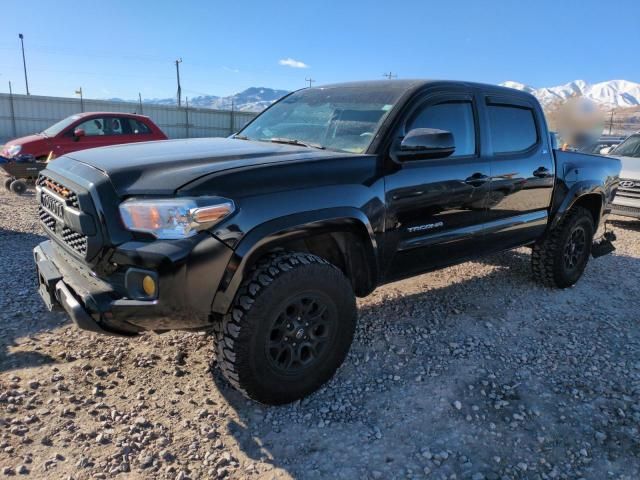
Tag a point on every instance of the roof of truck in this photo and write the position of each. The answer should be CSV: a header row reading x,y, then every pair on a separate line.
x,y
413,84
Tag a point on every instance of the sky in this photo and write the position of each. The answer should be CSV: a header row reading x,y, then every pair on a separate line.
x,y
121,48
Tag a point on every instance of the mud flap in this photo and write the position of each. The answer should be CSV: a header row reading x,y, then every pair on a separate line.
x,y
604,246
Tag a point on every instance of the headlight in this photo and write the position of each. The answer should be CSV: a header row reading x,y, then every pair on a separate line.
x,y
174,218
13,150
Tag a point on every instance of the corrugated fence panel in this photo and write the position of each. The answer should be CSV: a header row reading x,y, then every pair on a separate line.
x,y
34,113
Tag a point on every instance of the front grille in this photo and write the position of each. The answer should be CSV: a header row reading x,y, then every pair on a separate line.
x,y
69,195
629,188
75,240
46,219
54,224
625,210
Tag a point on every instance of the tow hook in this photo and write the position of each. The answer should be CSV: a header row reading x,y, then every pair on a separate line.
x,y
604,246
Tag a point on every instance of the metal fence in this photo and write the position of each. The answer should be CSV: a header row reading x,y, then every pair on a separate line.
x,y
25,114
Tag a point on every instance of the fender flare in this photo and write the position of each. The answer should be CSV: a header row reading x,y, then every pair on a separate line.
x,y
577,191
266,235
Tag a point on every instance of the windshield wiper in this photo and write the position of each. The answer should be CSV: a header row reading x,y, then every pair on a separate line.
x,y
293,141
240,137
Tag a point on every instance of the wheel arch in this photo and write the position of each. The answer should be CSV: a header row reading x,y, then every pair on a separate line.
x,y
343,236
590,195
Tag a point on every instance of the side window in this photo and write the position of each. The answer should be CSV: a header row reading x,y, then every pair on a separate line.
x,y
455,117
138,127
512,128
117,127
93,127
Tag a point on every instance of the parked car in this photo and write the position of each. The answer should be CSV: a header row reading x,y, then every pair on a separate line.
x,y
82,131
267,238
602,145
627,200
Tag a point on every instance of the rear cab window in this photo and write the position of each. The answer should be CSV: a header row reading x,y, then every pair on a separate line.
x,y
512,127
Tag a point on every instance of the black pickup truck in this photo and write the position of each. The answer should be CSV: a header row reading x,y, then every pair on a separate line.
x,y
267,237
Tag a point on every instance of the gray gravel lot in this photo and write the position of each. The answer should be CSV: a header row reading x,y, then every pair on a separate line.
x,y
470,372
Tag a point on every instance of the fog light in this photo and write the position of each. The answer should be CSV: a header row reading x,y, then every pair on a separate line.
x,y
141,284
149,285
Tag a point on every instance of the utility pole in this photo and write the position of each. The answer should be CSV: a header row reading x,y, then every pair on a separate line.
x,y
140,102
13,112
178,62
390,75
232,121
24,63
79,92
186,117
310,80
611,122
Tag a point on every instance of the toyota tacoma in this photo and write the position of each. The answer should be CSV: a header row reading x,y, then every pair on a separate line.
x,y
267,237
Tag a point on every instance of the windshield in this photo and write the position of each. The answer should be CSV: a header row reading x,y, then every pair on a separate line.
x,y
56,128
629,148
336,118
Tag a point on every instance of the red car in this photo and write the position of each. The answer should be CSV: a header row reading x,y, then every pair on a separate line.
x,y
82,131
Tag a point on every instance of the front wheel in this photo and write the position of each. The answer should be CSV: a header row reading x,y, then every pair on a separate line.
x,y
7,183
18,187
560,258
289,329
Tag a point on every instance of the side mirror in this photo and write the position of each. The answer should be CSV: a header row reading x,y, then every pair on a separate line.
x,y
79,132
425,143
606,150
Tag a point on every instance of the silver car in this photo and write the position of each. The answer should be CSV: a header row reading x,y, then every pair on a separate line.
x,y
627,200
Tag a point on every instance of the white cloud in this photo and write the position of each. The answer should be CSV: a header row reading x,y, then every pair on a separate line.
x,y
290,62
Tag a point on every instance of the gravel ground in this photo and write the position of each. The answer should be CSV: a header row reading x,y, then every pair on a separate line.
x,y
470,372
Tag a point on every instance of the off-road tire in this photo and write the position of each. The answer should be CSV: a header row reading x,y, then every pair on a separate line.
x,y
548,255
18,187
242,335
7,183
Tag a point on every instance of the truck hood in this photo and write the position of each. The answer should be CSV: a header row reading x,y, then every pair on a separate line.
x,y
630,168
162,167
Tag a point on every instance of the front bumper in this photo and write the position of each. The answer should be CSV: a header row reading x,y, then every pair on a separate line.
x,y
188,277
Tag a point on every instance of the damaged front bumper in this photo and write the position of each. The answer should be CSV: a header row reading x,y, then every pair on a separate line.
x,y
187,281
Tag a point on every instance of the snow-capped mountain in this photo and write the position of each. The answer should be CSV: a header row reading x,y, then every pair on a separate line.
x,y
614,93
254,99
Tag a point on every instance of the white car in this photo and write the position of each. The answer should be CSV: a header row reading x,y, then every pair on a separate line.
x,y
627,200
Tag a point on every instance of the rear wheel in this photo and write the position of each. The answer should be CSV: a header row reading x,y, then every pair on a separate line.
x,y
18,186
7,183
560,258
289,329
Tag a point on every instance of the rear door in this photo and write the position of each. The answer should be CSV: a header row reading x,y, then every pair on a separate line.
x,y
136,130
436,207
522,170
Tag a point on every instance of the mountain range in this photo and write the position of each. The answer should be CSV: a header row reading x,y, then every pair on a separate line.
x,y
254,99
613,93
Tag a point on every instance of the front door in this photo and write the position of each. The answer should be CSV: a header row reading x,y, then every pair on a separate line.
x,y
436,207
98,132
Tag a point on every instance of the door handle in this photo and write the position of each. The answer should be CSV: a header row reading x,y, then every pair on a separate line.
x,y
477,180
541,172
